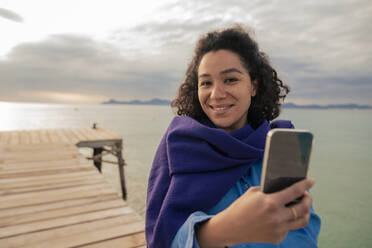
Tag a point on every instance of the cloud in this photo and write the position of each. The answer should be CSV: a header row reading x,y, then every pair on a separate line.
x,y
10,15
323,50
73,64
317,47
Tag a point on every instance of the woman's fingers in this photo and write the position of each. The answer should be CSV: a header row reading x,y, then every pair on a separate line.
x,y
300,222
299,214
294,191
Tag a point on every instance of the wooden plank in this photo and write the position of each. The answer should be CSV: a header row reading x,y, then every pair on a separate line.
x,y
33,157
51,186
44,137
45,164
24,137
67,231
44,172
93,236
100,134
62,136
108,134
36,147
56,205
134,240
35,139
35,167
48,180
78,134
53,195
64,212
17,155
14,138
90,133
4,139
71,136
63,221
33,178
86,134
8,168
41,157
53,136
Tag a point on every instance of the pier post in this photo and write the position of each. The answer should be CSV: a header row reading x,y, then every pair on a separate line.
x,y
97,158
121,164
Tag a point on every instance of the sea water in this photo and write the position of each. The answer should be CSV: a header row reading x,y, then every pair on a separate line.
x,y
341,161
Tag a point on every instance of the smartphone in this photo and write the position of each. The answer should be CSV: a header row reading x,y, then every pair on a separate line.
x,y
286,158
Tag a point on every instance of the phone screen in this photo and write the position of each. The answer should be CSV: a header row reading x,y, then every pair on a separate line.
x,y
287,159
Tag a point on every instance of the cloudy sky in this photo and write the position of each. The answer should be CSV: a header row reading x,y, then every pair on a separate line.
x,y
87,51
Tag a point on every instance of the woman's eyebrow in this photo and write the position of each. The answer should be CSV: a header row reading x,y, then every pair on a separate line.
x,y
222,72
230,70
204,75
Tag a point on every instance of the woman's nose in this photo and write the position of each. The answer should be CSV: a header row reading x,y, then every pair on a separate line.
x,y
218,92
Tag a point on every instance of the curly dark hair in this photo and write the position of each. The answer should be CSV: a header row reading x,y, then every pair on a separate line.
x,y
270,89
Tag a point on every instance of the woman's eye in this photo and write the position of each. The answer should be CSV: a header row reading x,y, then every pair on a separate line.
x,y
230,80
205,83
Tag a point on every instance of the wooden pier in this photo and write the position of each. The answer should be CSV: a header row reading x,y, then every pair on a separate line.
x,y
52,196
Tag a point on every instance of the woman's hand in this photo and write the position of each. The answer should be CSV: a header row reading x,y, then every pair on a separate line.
x,y
258,217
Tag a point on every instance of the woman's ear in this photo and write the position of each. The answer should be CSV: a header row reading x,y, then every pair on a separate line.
x,y
254,87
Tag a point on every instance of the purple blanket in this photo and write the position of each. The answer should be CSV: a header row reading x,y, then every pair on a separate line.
x,y
194,167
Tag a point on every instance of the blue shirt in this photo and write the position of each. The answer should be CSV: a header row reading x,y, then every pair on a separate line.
x,y
306,237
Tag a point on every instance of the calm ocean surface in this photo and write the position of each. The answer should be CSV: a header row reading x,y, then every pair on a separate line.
x,y
341,160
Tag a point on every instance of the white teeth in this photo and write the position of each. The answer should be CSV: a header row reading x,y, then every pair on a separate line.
x,y
221,108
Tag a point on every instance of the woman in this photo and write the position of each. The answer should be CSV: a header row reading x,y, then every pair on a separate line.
x,y
203,186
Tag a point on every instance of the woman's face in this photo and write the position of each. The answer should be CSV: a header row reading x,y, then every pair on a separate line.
x,y
225,89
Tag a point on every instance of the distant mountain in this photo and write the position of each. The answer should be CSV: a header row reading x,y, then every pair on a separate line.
x,y
157,101
331,106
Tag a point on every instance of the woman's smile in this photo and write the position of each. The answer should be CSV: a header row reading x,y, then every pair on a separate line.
x,y
221,109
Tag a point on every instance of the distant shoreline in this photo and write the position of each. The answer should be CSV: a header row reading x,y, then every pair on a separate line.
x,y
157,101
